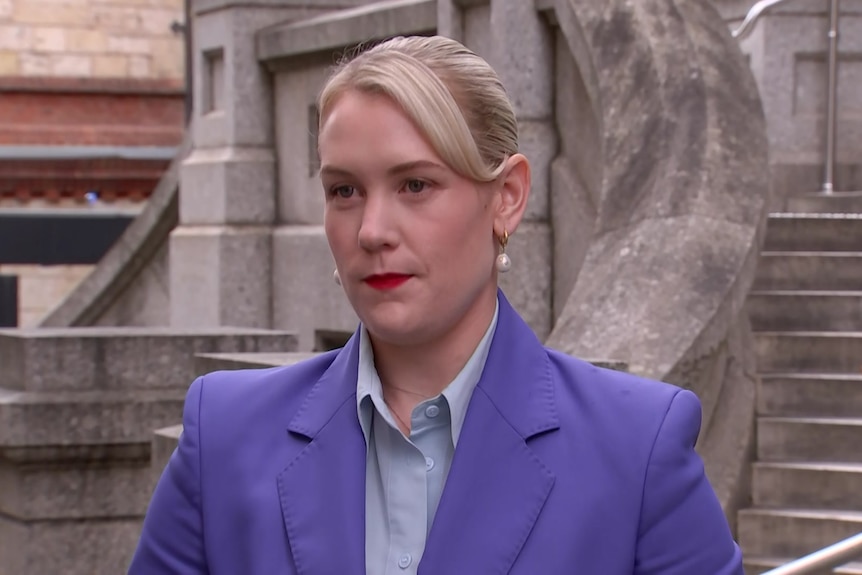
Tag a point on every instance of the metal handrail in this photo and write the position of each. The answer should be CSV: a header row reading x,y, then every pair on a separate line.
x,y
832,98
827,558
753,15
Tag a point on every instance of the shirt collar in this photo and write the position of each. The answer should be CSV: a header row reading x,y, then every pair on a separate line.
x,y
369,389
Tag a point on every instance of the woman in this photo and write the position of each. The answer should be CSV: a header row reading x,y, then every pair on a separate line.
x,y
443,439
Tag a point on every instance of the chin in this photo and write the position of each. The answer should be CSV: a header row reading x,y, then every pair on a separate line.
x,y
395,329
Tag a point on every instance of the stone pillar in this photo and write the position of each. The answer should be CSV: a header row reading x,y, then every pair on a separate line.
x,y
221,253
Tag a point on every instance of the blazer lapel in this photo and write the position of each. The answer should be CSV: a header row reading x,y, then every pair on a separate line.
x,y
322,491
497,485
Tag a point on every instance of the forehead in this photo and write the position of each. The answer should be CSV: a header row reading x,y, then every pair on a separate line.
x,y
369,130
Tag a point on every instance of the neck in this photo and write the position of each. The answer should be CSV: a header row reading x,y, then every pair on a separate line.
x,y
411,374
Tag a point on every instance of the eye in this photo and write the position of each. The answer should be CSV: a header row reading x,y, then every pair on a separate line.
x,y
415,186
342,191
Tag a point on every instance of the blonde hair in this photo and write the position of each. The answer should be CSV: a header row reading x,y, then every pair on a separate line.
x,y
452,95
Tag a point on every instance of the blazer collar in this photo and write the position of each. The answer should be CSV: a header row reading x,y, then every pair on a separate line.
x,y
517,376
496,486
322,490
335,386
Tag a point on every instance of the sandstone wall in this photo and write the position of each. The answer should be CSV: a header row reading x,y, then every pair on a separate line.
x,y
91,39
41,287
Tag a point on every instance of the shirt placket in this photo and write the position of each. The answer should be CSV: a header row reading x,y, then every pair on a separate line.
x,y
406,487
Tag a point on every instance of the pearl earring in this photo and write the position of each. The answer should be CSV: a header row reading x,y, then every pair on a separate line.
x,y
336,277
504,262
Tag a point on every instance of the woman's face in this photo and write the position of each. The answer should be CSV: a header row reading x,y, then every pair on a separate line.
x,y
412,240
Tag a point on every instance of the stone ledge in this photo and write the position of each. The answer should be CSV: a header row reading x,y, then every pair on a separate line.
x,y
82,359
61,419
164,443
82,490
343,28
203,6
207,362
609,364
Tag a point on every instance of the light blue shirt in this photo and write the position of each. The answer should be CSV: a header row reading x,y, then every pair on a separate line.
x,y
404,476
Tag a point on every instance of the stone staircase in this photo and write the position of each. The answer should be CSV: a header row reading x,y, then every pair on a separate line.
x,y
806,310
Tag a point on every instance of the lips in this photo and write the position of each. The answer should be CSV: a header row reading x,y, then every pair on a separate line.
x,y
386,281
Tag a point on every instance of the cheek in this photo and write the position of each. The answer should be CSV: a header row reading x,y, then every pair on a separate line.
x,y
336,234
465,243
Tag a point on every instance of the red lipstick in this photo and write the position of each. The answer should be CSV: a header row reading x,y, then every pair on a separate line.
x,y
386,281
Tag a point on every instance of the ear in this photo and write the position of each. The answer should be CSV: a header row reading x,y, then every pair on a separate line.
x,y
514,191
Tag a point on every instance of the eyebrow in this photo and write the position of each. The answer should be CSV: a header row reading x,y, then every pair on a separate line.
x,y
328,170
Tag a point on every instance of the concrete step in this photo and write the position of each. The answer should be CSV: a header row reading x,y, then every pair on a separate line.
x,y
836,202
807,485
794,310
758,565
808,351
809,271
809,439
810,394
55,419
814,232
793,533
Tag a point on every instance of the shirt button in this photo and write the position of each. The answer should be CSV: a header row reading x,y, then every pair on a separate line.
x,y
432,411
405,560
429,464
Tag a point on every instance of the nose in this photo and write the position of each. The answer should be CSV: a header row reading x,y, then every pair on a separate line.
x,y
378,229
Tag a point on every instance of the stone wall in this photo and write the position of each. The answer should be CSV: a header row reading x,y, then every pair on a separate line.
x,y
91,39
77,410
788,54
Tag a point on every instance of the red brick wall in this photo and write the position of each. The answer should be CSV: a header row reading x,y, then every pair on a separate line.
x,y
86,112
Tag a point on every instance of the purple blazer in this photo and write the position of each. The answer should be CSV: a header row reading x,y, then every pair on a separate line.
x,y
561,468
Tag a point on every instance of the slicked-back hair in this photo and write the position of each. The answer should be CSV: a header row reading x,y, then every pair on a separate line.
x,y
451,94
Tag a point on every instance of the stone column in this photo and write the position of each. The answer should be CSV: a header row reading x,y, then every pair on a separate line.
x,y
221,252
